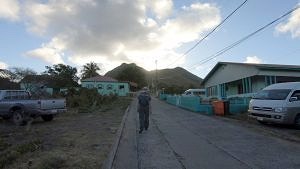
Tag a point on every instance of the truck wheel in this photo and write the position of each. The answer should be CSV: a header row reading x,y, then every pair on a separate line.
x,y
48,117
19,117
297,121
6,117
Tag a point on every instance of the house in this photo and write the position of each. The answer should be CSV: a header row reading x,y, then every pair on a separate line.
x,y
228,79
106,85
38,84
5,73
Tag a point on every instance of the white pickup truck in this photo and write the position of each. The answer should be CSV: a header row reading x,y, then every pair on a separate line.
x,y
18,106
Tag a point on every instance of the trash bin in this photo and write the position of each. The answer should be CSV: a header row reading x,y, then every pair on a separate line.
x,y
220,107
226,107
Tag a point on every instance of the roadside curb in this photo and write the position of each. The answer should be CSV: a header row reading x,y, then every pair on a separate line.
x,y
108,164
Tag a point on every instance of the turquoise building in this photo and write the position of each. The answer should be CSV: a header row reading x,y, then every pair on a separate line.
x,y
228,79
106,85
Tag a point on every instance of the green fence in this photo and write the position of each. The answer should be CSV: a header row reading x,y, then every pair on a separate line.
x,y
172,99
162,96
190,103
239,105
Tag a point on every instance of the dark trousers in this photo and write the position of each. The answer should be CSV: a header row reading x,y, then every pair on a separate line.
x,y
144,118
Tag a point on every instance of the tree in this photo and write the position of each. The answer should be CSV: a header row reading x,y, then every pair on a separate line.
x,y
63,75
18,73
90,70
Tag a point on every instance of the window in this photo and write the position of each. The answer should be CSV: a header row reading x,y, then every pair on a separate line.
x,y
212,91
275,94
100,86
240,89
121,87
296,94
16,95
109,87
89,86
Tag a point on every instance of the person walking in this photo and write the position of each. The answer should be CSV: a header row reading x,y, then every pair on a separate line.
x,y
144,99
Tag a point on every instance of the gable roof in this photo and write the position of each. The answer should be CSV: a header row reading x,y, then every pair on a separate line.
x,y
256,65
100,78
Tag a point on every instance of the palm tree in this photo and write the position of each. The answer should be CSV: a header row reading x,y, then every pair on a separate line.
x,y
89,70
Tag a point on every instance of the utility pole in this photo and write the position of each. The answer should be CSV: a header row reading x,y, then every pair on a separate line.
x,y
156,79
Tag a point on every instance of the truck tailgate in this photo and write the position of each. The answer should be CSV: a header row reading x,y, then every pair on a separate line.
x,y
52,104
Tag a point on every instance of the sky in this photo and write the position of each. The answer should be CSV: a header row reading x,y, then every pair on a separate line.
x,y
39,33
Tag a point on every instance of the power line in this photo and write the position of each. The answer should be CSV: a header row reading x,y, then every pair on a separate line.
x,y
222,51
189,50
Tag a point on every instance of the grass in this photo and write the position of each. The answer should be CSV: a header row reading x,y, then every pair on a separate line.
x,y
79,138
51,161
12,154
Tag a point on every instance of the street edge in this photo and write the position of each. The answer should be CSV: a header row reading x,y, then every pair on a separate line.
x,y
108,164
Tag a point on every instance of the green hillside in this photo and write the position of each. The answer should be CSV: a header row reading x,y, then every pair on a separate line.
x,y
177,77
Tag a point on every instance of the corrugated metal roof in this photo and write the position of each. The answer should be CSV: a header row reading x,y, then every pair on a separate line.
x,y
100,78
4,73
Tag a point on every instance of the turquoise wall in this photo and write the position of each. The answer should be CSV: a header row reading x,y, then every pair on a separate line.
x,y
190,103
107,88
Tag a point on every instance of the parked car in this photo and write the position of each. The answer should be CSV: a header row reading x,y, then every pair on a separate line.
x,y
18,106
194,92
277,103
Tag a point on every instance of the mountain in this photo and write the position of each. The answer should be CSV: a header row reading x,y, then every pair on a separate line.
x,y
118,70
176,77
166,77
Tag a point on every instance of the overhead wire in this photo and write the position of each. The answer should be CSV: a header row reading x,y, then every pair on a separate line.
x,y
202,39
222,51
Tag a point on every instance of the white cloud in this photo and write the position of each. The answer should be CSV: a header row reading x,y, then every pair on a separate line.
x,y
116,31
292,25
161,8
51,53
9,9
3,65
253,59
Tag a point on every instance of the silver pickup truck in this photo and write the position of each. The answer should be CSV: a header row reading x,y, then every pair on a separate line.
x,y
18,106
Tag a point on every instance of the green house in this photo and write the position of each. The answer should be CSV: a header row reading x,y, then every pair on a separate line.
x,y
106,85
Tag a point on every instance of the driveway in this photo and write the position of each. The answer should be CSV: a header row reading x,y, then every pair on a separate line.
x,y
182,139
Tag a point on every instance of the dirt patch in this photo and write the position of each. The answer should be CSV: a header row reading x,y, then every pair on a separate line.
x,y
71,140
286,132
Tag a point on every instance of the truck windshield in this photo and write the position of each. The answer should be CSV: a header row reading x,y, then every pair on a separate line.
x,y
275,94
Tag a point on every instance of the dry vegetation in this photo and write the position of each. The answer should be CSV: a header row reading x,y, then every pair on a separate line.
x,y
80,138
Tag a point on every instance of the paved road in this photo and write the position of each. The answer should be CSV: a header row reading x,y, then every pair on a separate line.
x,y
179,139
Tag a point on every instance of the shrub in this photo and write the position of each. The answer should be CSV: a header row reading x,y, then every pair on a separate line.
x,y
88,98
